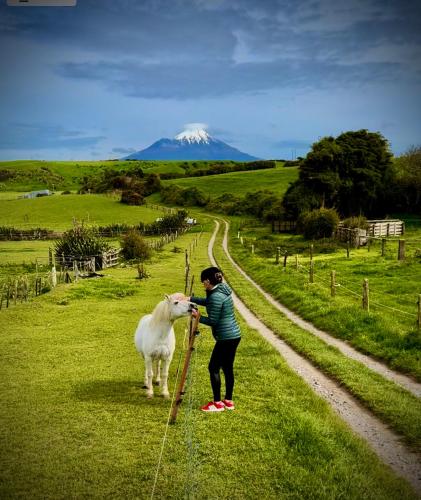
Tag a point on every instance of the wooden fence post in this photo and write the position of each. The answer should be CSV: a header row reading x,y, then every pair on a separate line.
x,y
53,277
383,246
333,283
252,249
285,259
366,295
401,250
311,251
238,234
311,271
419,311
50,257
242,241
347,248
296,261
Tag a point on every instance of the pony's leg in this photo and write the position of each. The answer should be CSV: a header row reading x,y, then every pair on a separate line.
x,y
158,372
148,376
165,369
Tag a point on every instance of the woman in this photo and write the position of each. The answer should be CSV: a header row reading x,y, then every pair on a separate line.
x,y
221,319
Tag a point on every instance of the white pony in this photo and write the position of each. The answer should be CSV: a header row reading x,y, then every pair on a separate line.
x,y
155,338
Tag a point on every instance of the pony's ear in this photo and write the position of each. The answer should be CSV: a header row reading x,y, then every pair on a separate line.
x,y
167,298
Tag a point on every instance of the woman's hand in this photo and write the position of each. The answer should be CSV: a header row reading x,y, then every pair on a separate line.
x,y
195,313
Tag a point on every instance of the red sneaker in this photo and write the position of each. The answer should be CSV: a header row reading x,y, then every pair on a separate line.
x,y
213,406
229,405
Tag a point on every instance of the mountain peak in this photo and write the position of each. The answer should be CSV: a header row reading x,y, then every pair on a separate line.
x,y
194,135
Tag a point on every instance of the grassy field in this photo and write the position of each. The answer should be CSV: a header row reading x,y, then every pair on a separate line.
x,y
388,331
67,175
76,423
393,404
239,183
61,175
58,211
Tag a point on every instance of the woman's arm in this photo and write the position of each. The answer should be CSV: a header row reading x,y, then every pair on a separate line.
x,y
214,309
197,300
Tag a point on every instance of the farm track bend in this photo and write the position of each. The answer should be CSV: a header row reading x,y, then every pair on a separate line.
x,y
376,366
381,439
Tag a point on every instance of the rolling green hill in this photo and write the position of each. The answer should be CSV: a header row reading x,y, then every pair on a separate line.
x,y
57,211
239,183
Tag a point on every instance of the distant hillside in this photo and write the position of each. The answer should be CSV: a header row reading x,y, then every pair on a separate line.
x,y
239,183
27,175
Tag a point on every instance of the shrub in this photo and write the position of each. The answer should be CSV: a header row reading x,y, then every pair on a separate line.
x,y
318,224
66,192
134,247
130,197
81,242
356,222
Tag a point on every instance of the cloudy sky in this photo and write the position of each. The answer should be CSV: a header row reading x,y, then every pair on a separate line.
x,y
109,77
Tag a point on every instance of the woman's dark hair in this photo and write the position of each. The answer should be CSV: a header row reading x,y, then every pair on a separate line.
x,y
213,274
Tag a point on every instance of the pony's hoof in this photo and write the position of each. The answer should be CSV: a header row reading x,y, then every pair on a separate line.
x,y
149,396
166,395
144,386
157,382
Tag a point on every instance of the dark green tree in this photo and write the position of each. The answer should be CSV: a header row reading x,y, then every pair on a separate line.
x,y
351,173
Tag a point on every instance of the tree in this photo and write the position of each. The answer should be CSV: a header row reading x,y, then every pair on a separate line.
x,y
351,173
409,179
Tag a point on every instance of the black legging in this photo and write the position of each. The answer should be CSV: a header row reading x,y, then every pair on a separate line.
x,y
223,355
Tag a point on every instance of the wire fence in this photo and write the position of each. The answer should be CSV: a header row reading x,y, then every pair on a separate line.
x,y
334,285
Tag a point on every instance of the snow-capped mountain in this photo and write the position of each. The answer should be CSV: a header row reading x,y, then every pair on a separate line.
x,y
191,144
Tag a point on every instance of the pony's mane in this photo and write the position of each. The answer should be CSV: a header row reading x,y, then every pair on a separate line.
x,y
161,312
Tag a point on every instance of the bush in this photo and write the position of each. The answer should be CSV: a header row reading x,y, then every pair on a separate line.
x,y
130,197
66,192
134,247
318,224
81,242
356,222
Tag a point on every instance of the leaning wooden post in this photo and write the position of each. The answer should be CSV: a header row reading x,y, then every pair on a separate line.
x,y
180,392
383,246
311,252
278,253
333,283
366,295
285,259
241,239
347,248
401,250
311,278
238,234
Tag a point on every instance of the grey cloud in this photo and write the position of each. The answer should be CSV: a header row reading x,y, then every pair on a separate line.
x,y
185,81
37,136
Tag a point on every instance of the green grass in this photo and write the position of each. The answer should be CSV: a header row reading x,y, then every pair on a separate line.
x,y
57,211
68,175
393,404
61,175
388,331
75,422
239,183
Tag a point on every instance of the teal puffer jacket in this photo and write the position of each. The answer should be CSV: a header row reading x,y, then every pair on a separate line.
x,y
220,309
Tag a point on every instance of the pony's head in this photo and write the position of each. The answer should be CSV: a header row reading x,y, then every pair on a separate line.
x,y
172,307
178,305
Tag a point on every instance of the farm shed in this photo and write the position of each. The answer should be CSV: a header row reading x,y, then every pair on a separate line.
x,y
37,194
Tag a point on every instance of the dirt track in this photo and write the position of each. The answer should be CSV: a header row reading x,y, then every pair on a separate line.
x,y
384,442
